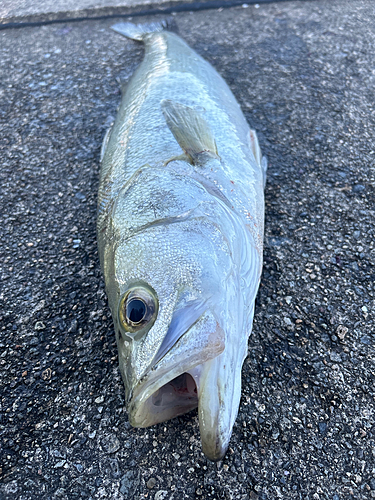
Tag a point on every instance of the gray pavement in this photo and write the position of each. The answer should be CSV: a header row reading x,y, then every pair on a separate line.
x,y
21,8
303,73
46,10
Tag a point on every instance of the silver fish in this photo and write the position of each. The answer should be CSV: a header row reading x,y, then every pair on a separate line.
x,y
180,236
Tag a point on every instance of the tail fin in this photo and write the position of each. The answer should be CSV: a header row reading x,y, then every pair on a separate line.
x,y
137,31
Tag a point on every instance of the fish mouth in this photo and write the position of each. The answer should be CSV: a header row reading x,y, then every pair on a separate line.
x,y
180,395
171,386
174,398
191,375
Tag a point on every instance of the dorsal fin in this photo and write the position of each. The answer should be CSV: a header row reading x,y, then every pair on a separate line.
x,y
190,130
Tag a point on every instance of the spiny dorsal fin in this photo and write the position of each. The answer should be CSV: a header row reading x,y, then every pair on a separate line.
x,y
190,130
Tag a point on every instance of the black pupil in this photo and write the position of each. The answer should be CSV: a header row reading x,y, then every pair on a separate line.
x,y
135,310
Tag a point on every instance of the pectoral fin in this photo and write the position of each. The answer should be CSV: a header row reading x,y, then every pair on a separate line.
x,y
259,158
105,142
191,131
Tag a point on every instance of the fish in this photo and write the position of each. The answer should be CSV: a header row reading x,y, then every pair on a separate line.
x,y
180,226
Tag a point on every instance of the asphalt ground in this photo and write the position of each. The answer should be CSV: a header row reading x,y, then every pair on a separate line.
x,y
23,8
20,13
303,73
19,10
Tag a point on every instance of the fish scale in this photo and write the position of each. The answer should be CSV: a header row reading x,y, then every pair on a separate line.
x,y
180,228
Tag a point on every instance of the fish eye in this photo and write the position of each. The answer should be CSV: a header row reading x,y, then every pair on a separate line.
x,y
135,311
138,310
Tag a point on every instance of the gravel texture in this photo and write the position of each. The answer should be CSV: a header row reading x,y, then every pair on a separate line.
x,y
303,73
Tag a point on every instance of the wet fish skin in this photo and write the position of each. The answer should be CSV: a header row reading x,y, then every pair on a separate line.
x,y
180,217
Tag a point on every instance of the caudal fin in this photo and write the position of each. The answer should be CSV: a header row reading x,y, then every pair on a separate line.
x,y
137,31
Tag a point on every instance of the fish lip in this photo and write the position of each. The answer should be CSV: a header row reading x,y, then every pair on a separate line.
x,y
215,452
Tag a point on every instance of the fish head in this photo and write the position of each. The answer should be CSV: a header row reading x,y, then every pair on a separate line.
x,y
168,283
175,291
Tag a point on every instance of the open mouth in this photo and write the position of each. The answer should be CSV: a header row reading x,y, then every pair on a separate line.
x,y
172,387
175,398
194,367
197,373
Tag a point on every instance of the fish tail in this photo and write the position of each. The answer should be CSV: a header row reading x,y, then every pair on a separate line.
x,y
138,31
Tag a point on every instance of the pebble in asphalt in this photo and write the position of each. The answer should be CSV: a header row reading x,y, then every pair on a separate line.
x,y
303,73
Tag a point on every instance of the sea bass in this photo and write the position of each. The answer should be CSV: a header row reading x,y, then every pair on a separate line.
x,y
180,237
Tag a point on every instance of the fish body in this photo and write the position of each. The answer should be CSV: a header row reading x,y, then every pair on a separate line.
x,y
180,237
